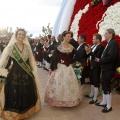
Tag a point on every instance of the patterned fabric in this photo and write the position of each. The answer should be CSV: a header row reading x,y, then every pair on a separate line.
x,y
21,62
62,55
63,89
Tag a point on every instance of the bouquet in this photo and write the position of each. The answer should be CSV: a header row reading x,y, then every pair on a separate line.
x,y
78,70
118,69
116,81
3,74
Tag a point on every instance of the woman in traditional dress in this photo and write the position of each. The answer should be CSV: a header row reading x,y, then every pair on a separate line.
x,y
63,89
19,96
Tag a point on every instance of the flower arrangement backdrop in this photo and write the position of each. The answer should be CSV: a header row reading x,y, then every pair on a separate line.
x,y
89,17
95,16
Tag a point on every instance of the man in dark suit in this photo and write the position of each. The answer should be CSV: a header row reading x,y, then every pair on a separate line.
x,y
108,67
73,42
94,67
38,53
51,48
81,56
53,43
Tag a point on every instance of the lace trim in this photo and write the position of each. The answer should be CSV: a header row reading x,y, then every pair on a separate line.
x,y
62,49
25,54
5,56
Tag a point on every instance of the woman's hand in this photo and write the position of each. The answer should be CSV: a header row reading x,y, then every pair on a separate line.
x,y
50,71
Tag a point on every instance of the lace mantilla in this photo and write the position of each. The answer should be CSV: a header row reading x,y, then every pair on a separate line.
x,y
24,54
62,49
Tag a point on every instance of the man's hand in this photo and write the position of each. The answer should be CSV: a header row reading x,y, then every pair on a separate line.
x,y
87,49
52,51
97,59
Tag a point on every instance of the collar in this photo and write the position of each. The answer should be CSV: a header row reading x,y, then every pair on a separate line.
x,y
97,44
81,44
109,41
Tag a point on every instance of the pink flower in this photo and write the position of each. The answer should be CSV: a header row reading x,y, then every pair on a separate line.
x,y
106,2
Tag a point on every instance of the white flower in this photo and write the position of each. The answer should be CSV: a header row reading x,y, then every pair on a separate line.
x,y
118,69
62,61
111,20
3,72
74,26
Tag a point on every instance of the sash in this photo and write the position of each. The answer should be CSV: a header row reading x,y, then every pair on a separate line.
x,y
21,62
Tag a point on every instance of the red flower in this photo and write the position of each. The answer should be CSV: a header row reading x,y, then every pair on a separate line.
x,y
104,43
87,24
117,75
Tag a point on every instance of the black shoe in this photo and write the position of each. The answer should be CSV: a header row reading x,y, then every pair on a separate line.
x,y
92,102
105,110
46,69
38,66
98,104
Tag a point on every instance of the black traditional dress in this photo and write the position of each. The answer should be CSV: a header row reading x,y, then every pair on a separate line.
x,y
21,97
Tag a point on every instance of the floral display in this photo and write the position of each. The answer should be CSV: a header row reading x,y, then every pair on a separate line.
x,y
78,70
111,19
92,20
94,2
95,16
106,2
118,70
116,81
75,23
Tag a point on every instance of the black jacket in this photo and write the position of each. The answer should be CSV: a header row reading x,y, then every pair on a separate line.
x,y
55,58
97,53
74,43
80,55
110,55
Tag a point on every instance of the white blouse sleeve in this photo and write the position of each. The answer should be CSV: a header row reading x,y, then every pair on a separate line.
x,y
5,56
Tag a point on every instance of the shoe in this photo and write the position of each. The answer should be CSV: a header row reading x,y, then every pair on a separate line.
x,y
100,93
92,102
46,69
38,66
98,104
89,96
105,110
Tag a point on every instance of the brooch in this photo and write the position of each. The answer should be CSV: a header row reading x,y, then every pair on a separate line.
x,y
62,61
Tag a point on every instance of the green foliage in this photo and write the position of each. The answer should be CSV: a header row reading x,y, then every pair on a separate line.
x,y
94,2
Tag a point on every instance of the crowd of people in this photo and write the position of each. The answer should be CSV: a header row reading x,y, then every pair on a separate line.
x,y
43,49
3,44
20,96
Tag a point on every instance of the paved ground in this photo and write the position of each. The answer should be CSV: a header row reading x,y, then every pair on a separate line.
x,y
83,111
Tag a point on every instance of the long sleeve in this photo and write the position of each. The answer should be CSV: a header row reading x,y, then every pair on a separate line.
x,y
97,53
5,56
31,59
54,61
5,61
111,55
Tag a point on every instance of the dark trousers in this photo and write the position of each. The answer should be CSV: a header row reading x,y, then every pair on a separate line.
x,y
94,74
106,81
85,74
